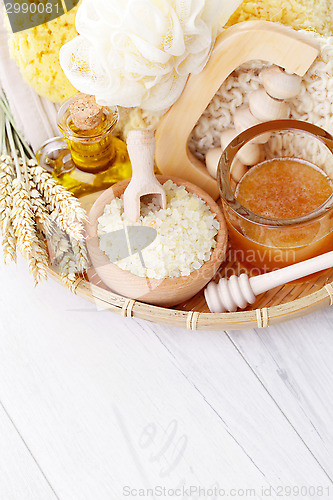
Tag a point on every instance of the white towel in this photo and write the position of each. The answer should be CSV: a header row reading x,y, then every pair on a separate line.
x,y
34,115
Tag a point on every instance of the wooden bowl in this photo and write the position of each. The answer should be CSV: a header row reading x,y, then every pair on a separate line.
x,y
165,292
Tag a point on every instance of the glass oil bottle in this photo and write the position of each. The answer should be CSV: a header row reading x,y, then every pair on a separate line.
x,y
88,160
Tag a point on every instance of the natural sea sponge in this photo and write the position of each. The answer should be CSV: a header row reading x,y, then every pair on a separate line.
x,y
36,52
316,15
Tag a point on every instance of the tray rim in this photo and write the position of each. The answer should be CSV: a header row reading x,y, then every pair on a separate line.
x,y
201,321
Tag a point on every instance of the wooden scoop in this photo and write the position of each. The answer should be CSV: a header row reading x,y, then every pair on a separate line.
x,y
141,150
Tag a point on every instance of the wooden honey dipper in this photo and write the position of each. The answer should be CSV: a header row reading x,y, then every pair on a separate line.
x,y
265,104
141,149
239,291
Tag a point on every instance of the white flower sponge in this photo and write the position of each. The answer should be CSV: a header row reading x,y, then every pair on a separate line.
x,y
140,52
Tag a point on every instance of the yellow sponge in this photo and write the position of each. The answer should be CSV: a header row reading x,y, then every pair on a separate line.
x,y
36,52
316,15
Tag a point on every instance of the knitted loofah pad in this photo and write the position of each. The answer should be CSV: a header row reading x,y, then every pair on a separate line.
x,y
314,104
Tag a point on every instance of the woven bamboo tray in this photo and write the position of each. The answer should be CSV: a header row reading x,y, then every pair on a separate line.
x,y
280,304
284,303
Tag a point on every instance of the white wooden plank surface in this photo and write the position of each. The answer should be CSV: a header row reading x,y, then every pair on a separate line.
x,y
85,389
294,362
207,363
20,476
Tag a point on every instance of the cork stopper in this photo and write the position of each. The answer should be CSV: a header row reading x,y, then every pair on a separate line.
x,y
85,112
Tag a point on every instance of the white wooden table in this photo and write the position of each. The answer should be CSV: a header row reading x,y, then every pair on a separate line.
x,y
97,407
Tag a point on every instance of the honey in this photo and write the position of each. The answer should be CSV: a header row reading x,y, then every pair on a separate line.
x,y
280,190
284,188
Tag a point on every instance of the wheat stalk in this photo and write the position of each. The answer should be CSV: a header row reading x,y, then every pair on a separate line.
x,y
34,207
23,220
6,203
38,261
79,250
38,203
70,280
70,214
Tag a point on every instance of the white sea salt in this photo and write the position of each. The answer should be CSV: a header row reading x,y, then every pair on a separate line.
x,y
186,235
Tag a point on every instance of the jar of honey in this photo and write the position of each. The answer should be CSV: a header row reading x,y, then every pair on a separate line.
x,y
281,210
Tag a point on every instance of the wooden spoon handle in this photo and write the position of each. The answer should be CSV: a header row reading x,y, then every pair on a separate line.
x,y
141,150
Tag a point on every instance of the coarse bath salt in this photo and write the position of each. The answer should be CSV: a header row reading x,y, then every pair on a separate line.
x,y
186,235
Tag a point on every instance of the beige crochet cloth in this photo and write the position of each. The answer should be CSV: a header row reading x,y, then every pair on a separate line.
x,y
314,104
